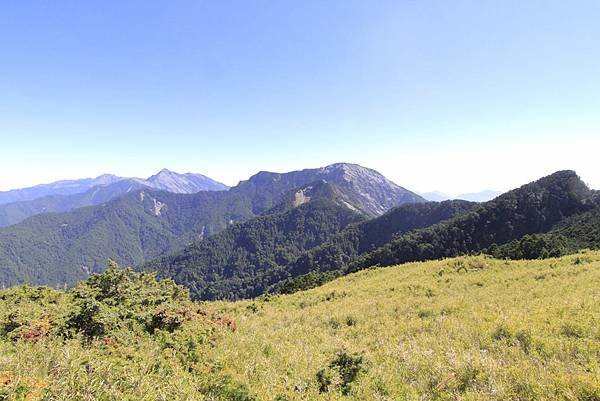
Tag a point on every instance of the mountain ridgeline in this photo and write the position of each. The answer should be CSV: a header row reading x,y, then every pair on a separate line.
x,y
533,208
213,268
372,193
63,198
286,232
64,187
247,259
58,248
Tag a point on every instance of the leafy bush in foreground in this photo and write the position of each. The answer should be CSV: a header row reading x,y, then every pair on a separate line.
x,y
118,335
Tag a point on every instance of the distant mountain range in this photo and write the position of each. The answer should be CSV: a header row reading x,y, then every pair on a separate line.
x,y
281,232
64,196
188,183
66,187
260,255
56,248
483,196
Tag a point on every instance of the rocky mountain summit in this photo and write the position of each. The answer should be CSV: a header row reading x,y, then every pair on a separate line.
x,y
372,193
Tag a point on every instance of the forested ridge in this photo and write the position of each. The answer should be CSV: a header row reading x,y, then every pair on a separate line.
x,y
229,266
533,208
63,248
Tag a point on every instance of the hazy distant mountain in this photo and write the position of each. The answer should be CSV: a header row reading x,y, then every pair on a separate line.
x,y
435,196
65,247
187,183
15,212
482,196
65,187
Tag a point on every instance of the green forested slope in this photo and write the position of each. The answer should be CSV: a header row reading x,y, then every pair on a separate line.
x,y
361,238
247,259
238,262
580,231
58,248
533,208
63,248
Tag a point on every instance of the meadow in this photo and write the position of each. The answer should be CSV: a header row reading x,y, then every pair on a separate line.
x,y
468,328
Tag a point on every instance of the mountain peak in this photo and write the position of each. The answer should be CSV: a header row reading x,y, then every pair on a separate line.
x,y
372,192
172,181
343,166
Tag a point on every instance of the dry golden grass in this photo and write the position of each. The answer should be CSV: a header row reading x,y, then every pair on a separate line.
x,y
469,328
461,329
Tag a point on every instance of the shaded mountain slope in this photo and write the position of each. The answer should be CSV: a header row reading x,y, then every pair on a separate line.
x,y
249,258
577,232
237,262
361,238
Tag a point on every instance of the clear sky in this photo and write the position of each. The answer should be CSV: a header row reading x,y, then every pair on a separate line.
x,y
450,95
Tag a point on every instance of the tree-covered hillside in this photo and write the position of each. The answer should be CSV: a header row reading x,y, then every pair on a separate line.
x,y
64,248
580,231
533,208
249,258
228,266
359,239
238,262
58,248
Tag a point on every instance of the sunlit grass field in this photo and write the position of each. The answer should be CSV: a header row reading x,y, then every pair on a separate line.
x,y
469,328
460,329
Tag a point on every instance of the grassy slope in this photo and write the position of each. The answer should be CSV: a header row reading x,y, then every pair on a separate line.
x,y
456,329
527,330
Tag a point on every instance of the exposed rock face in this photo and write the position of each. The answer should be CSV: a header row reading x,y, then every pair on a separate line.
x,y
369,191
378,194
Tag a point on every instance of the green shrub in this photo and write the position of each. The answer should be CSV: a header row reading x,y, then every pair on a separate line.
x,y
121,298
342,371
572,330
351,320
525,340
502,333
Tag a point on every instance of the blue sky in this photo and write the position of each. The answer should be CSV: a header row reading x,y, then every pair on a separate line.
x,y
450,95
